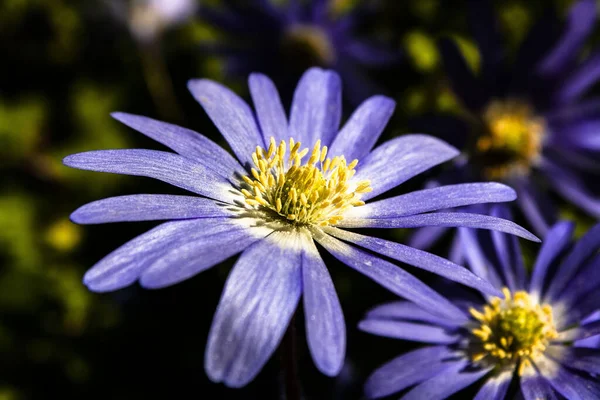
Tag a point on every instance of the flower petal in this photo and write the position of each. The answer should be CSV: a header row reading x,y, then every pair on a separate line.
x,y
534,387
325,326
230,114
557,240
360,133
390,277
405,310
495,387
191,258
569,383
584,77
148,207
581,358
451,219
316,108
509,254
184,141
424,238
536,207
400,159
167,167
434,199
580,24
259,299
408,331
417,258
394,376
269,110
476,258
455,378
123,266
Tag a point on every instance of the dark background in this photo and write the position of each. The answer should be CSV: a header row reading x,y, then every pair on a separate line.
x,y
64,66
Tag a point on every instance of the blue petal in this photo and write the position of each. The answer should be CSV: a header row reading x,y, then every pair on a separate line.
x,y
409,369
437,198
476,258
147,207
269,110
400,159
509,254
408,331
167,167
316,108
230,114
419,259
184,141
534,387
391,277
572,188
259,299
212,247
557,239
580,24
495,387
325,327
123,266
405,310
360,133
569,383
581,358
537,208
579,81
453,379
424,238
584,248
370,54
449,219
583,284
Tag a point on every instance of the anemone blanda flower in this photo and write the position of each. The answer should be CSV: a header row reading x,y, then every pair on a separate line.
x,y
527,124
148,18
271,204
537,329
283,40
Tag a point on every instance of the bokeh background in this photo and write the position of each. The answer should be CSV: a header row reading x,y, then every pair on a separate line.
x,y
64,66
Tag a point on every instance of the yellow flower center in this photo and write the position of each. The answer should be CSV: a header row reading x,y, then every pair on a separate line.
x,y
512,140
315,192
511,330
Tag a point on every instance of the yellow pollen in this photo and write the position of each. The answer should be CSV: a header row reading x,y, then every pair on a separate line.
x,y
512,330
512,141
315,192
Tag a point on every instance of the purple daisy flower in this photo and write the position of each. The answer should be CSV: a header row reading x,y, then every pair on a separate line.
x,y
527,124
271,204
536,332
281,41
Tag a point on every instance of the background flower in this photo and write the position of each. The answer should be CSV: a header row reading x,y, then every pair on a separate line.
x,y
535,330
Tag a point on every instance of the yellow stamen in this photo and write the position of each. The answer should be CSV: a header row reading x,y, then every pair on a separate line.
x,y
299,192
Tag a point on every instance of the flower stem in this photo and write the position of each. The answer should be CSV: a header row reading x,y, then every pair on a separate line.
x,y
289,364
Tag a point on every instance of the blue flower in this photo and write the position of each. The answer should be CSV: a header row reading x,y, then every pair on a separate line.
x,y
528,124
283,40
537,329
271,204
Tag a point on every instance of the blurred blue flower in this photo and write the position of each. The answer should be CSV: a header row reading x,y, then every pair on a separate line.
x,y
538,329
282,41
270,204
527,124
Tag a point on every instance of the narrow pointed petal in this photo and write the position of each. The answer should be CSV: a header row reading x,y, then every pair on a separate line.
x,y
184,141
419,259
580,24
316,108
408,331
124,266
148,207
579,81
324,320
455,219
269,110
509,254
495,387
193,257
230,114
444,385
476,258
167,167
394,376
580,358
534,387
434,199
572,188
400,159
569,383
360,133
259,299
405,310
556,242
535,206
391,277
